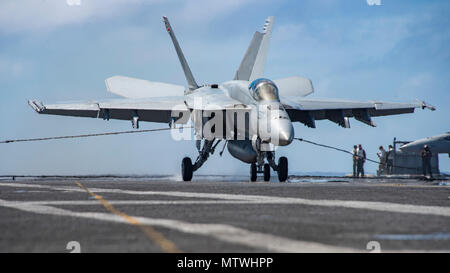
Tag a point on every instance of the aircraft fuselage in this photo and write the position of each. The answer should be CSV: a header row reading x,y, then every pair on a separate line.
x,y
266,120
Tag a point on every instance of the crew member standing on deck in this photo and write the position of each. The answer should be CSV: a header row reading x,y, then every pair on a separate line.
x,y
426,161
382,165
361,161
355,160
390,160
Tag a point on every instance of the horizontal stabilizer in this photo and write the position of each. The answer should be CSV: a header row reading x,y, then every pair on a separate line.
x,y
136,88
294,86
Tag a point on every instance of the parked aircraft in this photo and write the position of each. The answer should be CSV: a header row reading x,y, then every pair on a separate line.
x,y
438,144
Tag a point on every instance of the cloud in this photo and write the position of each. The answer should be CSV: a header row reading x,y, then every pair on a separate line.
x,y
29,15
206,10
11,69
362,38
373,2
418,86
32,15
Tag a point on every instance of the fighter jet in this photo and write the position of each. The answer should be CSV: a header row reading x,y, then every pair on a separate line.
x,y
438,144
252,114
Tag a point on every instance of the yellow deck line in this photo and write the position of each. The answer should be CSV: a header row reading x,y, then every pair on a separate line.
x,y
157,237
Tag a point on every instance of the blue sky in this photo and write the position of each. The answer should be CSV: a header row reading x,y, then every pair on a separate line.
x,y
56,52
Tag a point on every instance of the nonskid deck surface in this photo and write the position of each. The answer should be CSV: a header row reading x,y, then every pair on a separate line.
x,y
223,214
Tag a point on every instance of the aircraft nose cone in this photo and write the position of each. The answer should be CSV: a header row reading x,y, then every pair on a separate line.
x,y
286,134
412,147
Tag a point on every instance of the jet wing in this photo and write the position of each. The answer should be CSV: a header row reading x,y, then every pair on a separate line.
x,y
339,111
153,110
157,109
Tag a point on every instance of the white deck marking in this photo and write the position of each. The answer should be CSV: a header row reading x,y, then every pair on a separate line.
x,y
262,199
222,232
139,202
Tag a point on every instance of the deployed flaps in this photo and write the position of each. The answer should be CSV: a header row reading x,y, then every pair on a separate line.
x,y
307,119
106,114
135,120
304,117
363,116
337,116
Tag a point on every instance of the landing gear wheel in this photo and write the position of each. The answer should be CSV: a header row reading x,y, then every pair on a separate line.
x,y
282,169
266,172
186,169
253,172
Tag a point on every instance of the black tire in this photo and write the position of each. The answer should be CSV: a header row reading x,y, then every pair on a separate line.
x,y
186,169
266,172
253,172
282,169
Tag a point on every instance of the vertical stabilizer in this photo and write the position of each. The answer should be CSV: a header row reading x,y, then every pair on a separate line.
x,y
187,71
252,65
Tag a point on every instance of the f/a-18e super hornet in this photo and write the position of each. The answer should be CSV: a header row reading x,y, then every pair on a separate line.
x,y
251,114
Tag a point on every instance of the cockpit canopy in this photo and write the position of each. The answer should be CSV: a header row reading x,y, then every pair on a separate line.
x,y
264,89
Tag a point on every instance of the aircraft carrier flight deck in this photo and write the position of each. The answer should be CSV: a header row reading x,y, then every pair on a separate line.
x,y
223,214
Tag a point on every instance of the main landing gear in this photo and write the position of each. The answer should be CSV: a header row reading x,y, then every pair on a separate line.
x,y
259,167
187,168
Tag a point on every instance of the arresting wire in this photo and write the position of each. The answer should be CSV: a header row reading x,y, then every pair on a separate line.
x,y
167,129
89,135
347,152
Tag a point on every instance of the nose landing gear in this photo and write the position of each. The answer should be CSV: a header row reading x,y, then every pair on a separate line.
x,y
187,168
281,168
254,170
